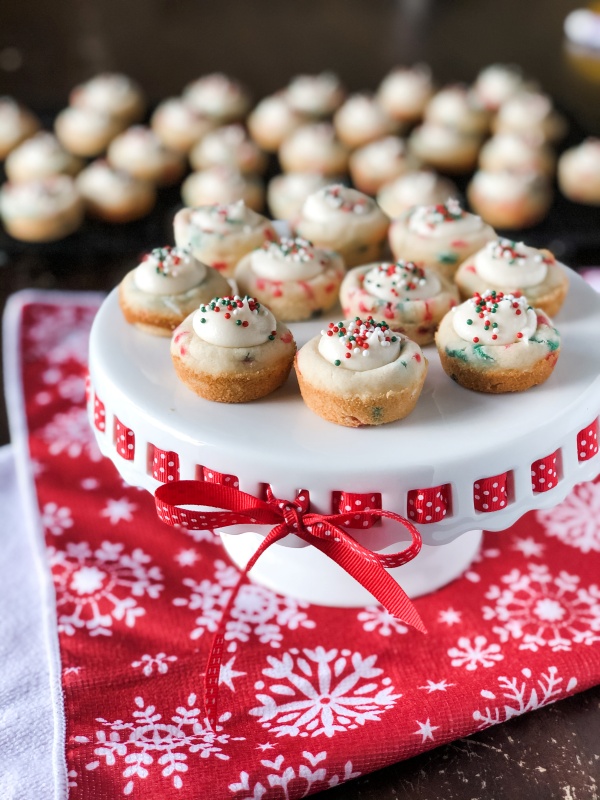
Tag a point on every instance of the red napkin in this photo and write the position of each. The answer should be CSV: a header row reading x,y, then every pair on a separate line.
x,y
310,696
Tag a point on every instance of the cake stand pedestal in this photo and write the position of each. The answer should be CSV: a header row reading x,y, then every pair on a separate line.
x,y
462,461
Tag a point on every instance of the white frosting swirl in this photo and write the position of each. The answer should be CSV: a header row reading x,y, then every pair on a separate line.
x,y
511,264
168,270
384,153
289,260
228,145
506,186
443,220
234,322
335,199
495,319
216,95
314,94
415,188
103,181
403,280
314,140
225,218
407,88
42,153
362,114
359,345
138,145
451,104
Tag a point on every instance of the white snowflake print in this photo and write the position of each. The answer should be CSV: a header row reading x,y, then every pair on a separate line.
x,y
528,547
540,610
96,588
440,686
279,775
56,519
118,510
425,730
61,334
517,696
322,692
376,618
228,674
476,654
146,742
187,557
160,662
449,617
576,521
71,434
257,611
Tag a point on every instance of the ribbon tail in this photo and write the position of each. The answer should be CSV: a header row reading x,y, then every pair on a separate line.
x,y
373,577
212,675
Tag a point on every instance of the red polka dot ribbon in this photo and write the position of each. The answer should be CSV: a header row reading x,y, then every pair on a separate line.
x,y
429,505
491,494
324,532
587,442
544,473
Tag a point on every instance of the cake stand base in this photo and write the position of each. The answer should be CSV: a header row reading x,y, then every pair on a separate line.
x,y
307,574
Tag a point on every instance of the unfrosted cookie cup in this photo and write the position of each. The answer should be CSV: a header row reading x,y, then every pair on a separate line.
x,y
520,352
510,199
314,148
315,96
342,219
179,125
361,120
41,211
139,151
405,92
17,123
358,373
380,162
272,121
113,94
220,235
85,132
579,173
515,268
165,287
517,152
222,185
292,277
445,148
219,97
420,188
287,192
228,146
410,299
439,236
235,354
113,195
40,157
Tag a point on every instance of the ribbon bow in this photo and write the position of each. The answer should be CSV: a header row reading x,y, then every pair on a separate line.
x,y
287,516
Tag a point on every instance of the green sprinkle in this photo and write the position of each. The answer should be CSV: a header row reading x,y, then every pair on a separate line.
x,y
202,319
337,362
469,322
238,322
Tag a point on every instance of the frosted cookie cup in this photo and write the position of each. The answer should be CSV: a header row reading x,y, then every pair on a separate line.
x,y
445,148
510,200
222,185
497,343
410,299
314,148
287,192
292,277
513,267
232,350
113,94
360,372
361,120
113,195
17,123
41,211
179,125
85,132
272,121
579,173
420,188
379,162
405,92
40,157
140,152
315,96
165,287
218,97
229,146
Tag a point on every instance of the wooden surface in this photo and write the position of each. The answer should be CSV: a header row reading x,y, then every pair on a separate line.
x,y
46,48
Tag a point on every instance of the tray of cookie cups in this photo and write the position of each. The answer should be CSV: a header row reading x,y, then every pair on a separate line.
x,y
221,234
42,210
440,236
360,372
295,279
232,350
165,287
510,200
496,342
346,220
514,267
412,300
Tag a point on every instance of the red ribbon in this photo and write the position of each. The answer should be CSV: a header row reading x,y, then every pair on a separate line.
x,y
321,531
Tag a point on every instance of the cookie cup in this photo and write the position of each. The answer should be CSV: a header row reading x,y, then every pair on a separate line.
x,y
505,368
231,374
158,314
355,399
520,205
358,240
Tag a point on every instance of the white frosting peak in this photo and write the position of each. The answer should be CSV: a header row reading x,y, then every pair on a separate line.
x,y
359,345
234,322
169,270
334,199
224,218
108,92
289,260
403,280
511,264
444,219
494,319
216,95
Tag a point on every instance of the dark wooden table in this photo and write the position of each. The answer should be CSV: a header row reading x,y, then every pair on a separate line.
x,y
551,754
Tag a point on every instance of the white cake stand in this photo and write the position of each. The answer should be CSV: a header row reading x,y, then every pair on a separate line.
x,y
142,413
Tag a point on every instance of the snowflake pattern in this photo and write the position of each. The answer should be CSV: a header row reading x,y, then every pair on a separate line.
x,y
517,696
96,588
118,510
146,741
313,776
61,335
256,610
56,519
539,610
575,520
476,654
322,692
70,433
449,617
377,619
528,546
149,663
